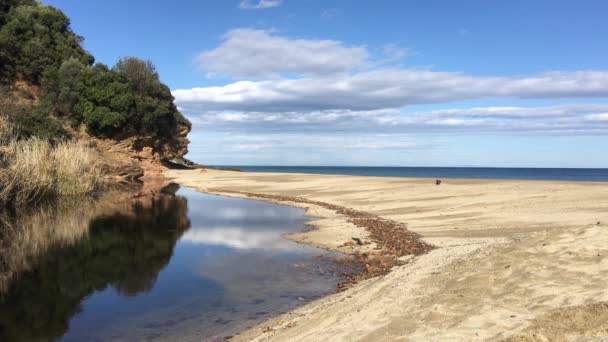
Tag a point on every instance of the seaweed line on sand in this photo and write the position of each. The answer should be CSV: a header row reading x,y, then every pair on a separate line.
x,y
393,238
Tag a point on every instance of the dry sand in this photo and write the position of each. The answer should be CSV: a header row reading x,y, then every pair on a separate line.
x,y
516,260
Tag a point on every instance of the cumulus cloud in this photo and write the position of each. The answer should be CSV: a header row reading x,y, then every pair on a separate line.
x,y
250,4
260,53
388,89
326,87
310,75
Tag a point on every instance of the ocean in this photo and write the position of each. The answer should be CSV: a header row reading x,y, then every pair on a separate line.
x,y
561,174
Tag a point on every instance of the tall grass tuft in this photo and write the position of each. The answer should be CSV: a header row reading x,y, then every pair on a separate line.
x,y
77,170
35,169
6,132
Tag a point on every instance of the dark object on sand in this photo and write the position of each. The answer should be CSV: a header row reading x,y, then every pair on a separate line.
x,y
437,181
358,241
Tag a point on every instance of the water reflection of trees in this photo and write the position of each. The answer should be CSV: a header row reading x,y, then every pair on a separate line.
x,y
125,248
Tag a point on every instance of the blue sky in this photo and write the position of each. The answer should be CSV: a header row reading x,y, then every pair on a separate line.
x,y
421,83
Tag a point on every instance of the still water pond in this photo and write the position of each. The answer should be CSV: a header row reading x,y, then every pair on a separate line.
x,y
185,267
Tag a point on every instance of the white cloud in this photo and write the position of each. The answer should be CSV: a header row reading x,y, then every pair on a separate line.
x,y
587,118
250,4
260,53
326,88
311,74
389,88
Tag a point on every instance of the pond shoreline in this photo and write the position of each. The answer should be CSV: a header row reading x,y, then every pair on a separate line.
x,y
377,244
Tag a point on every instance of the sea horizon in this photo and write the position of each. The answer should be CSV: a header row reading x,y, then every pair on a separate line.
x,y
466,172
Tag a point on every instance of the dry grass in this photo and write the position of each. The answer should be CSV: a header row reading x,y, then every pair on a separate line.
x,y
34,169
5,130
77,170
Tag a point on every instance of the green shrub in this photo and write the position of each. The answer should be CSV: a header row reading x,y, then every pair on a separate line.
x,y
35,37
40,125
102,121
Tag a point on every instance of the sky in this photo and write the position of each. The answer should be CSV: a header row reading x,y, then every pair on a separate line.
x,y
514,83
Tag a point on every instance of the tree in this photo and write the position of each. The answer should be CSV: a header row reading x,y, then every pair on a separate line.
x,y
64,88
154,105
37,45
7,5
106,102
142,75
34,38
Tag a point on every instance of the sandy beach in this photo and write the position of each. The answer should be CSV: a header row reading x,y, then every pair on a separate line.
x,y
514,260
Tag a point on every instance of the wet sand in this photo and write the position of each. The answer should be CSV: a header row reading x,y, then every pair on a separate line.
x,y
514,260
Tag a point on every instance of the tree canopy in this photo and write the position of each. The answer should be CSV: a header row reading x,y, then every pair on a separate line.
x,y
34,37
38,46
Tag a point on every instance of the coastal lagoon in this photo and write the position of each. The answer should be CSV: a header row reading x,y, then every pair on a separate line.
x,y
184,266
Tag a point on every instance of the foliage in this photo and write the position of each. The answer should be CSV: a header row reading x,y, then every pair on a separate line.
x,y
105,102
34,37
63,86
154,107
7,5
39,124
38,46
29,119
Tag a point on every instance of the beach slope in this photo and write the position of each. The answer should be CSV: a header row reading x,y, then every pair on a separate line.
x,y
514,260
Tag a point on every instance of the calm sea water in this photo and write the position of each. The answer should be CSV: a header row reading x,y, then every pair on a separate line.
x,y
184,267
565,174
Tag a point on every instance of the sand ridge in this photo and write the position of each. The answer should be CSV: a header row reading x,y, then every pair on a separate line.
x,y
513,257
